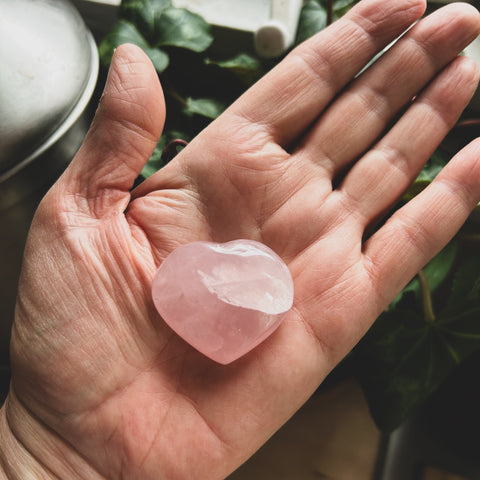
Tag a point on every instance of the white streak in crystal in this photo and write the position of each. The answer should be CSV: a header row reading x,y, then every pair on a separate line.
x,y
240,250
248,292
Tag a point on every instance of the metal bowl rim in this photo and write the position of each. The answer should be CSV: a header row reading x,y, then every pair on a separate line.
x,y
72,117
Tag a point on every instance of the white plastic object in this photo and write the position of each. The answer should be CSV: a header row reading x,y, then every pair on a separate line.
x,y
277,35
273,23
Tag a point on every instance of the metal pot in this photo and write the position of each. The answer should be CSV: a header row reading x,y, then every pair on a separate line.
x,y
48,73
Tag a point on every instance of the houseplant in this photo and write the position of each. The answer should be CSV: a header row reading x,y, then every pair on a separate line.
x,y
432,326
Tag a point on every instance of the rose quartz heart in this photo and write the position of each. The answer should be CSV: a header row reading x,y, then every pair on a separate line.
x,y
223,299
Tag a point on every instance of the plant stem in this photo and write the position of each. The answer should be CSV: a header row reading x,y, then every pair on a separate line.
x,y
428,312
469,122
177,97
470,237
171,150
329,12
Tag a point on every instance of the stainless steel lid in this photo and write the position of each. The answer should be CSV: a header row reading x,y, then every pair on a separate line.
x,y
48,71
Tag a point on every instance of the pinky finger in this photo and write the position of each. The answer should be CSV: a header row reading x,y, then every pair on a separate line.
x,y
421,228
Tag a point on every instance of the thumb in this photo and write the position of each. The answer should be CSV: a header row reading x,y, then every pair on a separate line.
x,y
128,122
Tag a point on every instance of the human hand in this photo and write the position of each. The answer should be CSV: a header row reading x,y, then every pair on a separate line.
x,y
308,162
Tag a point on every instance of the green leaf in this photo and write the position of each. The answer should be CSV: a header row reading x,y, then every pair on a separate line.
x,y
122,32
441,265
206,107
180,28
466,284
155,162
436,271
244,66
313,18
398,375
144,14
341,7
387,355
125,32
431,169
158,57
434,165
403,359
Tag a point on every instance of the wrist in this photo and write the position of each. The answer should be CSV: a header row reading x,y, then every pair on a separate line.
x,y
29,449
16,461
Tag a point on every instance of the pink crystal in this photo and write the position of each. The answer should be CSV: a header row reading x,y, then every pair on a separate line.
x,y
223,299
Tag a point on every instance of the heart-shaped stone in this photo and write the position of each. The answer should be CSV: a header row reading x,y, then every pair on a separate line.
x,y
223,298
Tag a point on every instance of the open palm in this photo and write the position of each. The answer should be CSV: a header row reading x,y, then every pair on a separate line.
x,y
101,387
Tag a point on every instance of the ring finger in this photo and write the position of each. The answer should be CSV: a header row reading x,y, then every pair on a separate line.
x,y
377,180
364,110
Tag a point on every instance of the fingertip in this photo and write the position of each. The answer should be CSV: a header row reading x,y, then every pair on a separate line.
x,y
458,81
130,75
464,16
402,12
470,69
473,150
468,8
462,175
417,7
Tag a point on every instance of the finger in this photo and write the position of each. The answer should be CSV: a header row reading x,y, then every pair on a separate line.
x,y
420,229
288,99
376,182
362,113
124,133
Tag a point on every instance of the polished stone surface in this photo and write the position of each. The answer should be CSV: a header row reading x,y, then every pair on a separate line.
x,y
223,299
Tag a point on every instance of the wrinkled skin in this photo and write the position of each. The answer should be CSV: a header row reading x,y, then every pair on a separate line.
x,y
101,387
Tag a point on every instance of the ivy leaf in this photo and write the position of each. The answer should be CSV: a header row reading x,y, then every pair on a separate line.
x,y
122,32
399,375
341,7
397,366
206,107
403,359
313,18
155,162
154,23
466,284
244,66
181,28
144,14
440,266
125,32
436,271
158,57
431,169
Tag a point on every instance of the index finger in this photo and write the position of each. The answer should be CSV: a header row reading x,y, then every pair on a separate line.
x,y
291,96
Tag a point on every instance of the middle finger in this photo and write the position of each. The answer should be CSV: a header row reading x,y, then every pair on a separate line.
x,y
364,110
